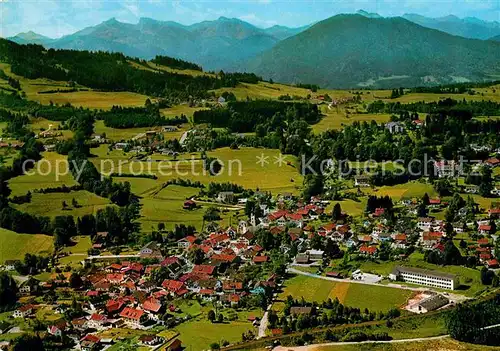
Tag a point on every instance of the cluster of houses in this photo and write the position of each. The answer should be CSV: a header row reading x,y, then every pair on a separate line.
x,y
129,294
126,294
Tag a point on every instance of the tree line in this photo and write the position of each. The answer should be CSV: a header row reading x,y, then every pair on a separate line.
x,y
175,63
110,72
244,116
133,117
448,106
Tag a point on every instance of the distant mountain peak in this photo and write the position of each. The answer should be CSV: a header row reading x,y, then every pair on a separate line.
x,y
468,27
30,37
382,59
368,14
112,20
147,20
227,19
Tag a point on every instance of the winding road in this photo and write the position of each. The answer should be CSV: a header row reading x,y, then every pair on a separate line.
x,y
314,346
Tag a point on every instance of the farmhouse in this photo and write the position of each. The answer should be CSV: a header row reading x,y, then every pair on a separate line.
x,y
134,317
394,127
225,197
169,129
151,250
446,169
362,180
121,146
302,258
189,205
424,277
23,311
315,255
432,303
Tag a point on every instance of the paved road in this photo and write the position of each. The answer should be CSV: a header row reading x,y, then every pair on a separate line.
x,y
314,346
263,326
110,257
454,297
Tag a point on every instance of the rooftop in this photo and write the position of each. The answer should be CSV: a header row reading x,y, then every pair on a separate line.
x,y
428,272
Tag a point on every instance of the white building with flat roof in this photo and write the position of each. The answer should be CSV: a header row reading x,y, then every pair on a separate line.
x,y
425,277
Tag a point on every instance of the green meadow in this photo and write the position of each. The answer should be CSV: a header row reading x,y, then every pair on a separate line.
x,y
44,175
375,298
51,204
13,246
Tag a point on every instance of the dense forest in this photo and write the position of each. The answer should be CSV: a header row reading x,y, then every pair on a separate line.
x,y
457,88
110,72
245,116
51,112
133,117
449,106
175,63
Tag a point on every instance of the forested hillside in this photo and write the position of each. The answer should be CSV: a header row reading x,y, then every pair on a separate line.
x,y
217,44
353,50
109,71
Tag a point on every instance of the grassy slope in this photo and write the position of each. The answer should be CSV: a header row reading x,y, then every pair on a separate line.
x,y
445,344
15,246
375,298
45,175
242,163
51,204
91,99
115,134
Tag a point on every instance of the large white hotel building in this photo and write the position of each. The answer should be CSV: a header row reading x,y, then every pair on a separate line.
x,y
424,277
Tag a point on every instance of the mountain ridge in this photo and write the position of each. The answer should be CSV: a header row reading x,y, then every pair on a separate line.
x,y
216,44
348,51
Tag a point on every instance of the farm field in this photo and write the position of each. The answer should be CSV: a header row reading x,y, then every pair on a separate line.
x,y
198,335
337,118
189,72
86,99
116,134
165,207
484,94
375,298
263,90
351,207
39,124
178,110
81,245
413,189
240,167
13,246
153,67
43,175
51,204
92,99
139,186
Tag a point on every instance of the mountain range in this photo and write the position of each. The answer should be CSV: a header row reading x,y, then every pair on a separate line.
x,y
218,44
468,27
364,49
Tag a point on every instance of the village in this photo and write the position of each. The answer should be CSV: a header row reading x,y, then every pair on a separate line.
x,y
244,266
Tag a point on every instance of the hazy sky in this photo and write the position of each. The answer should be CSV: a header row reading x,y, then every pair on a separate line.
x,y
55,18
